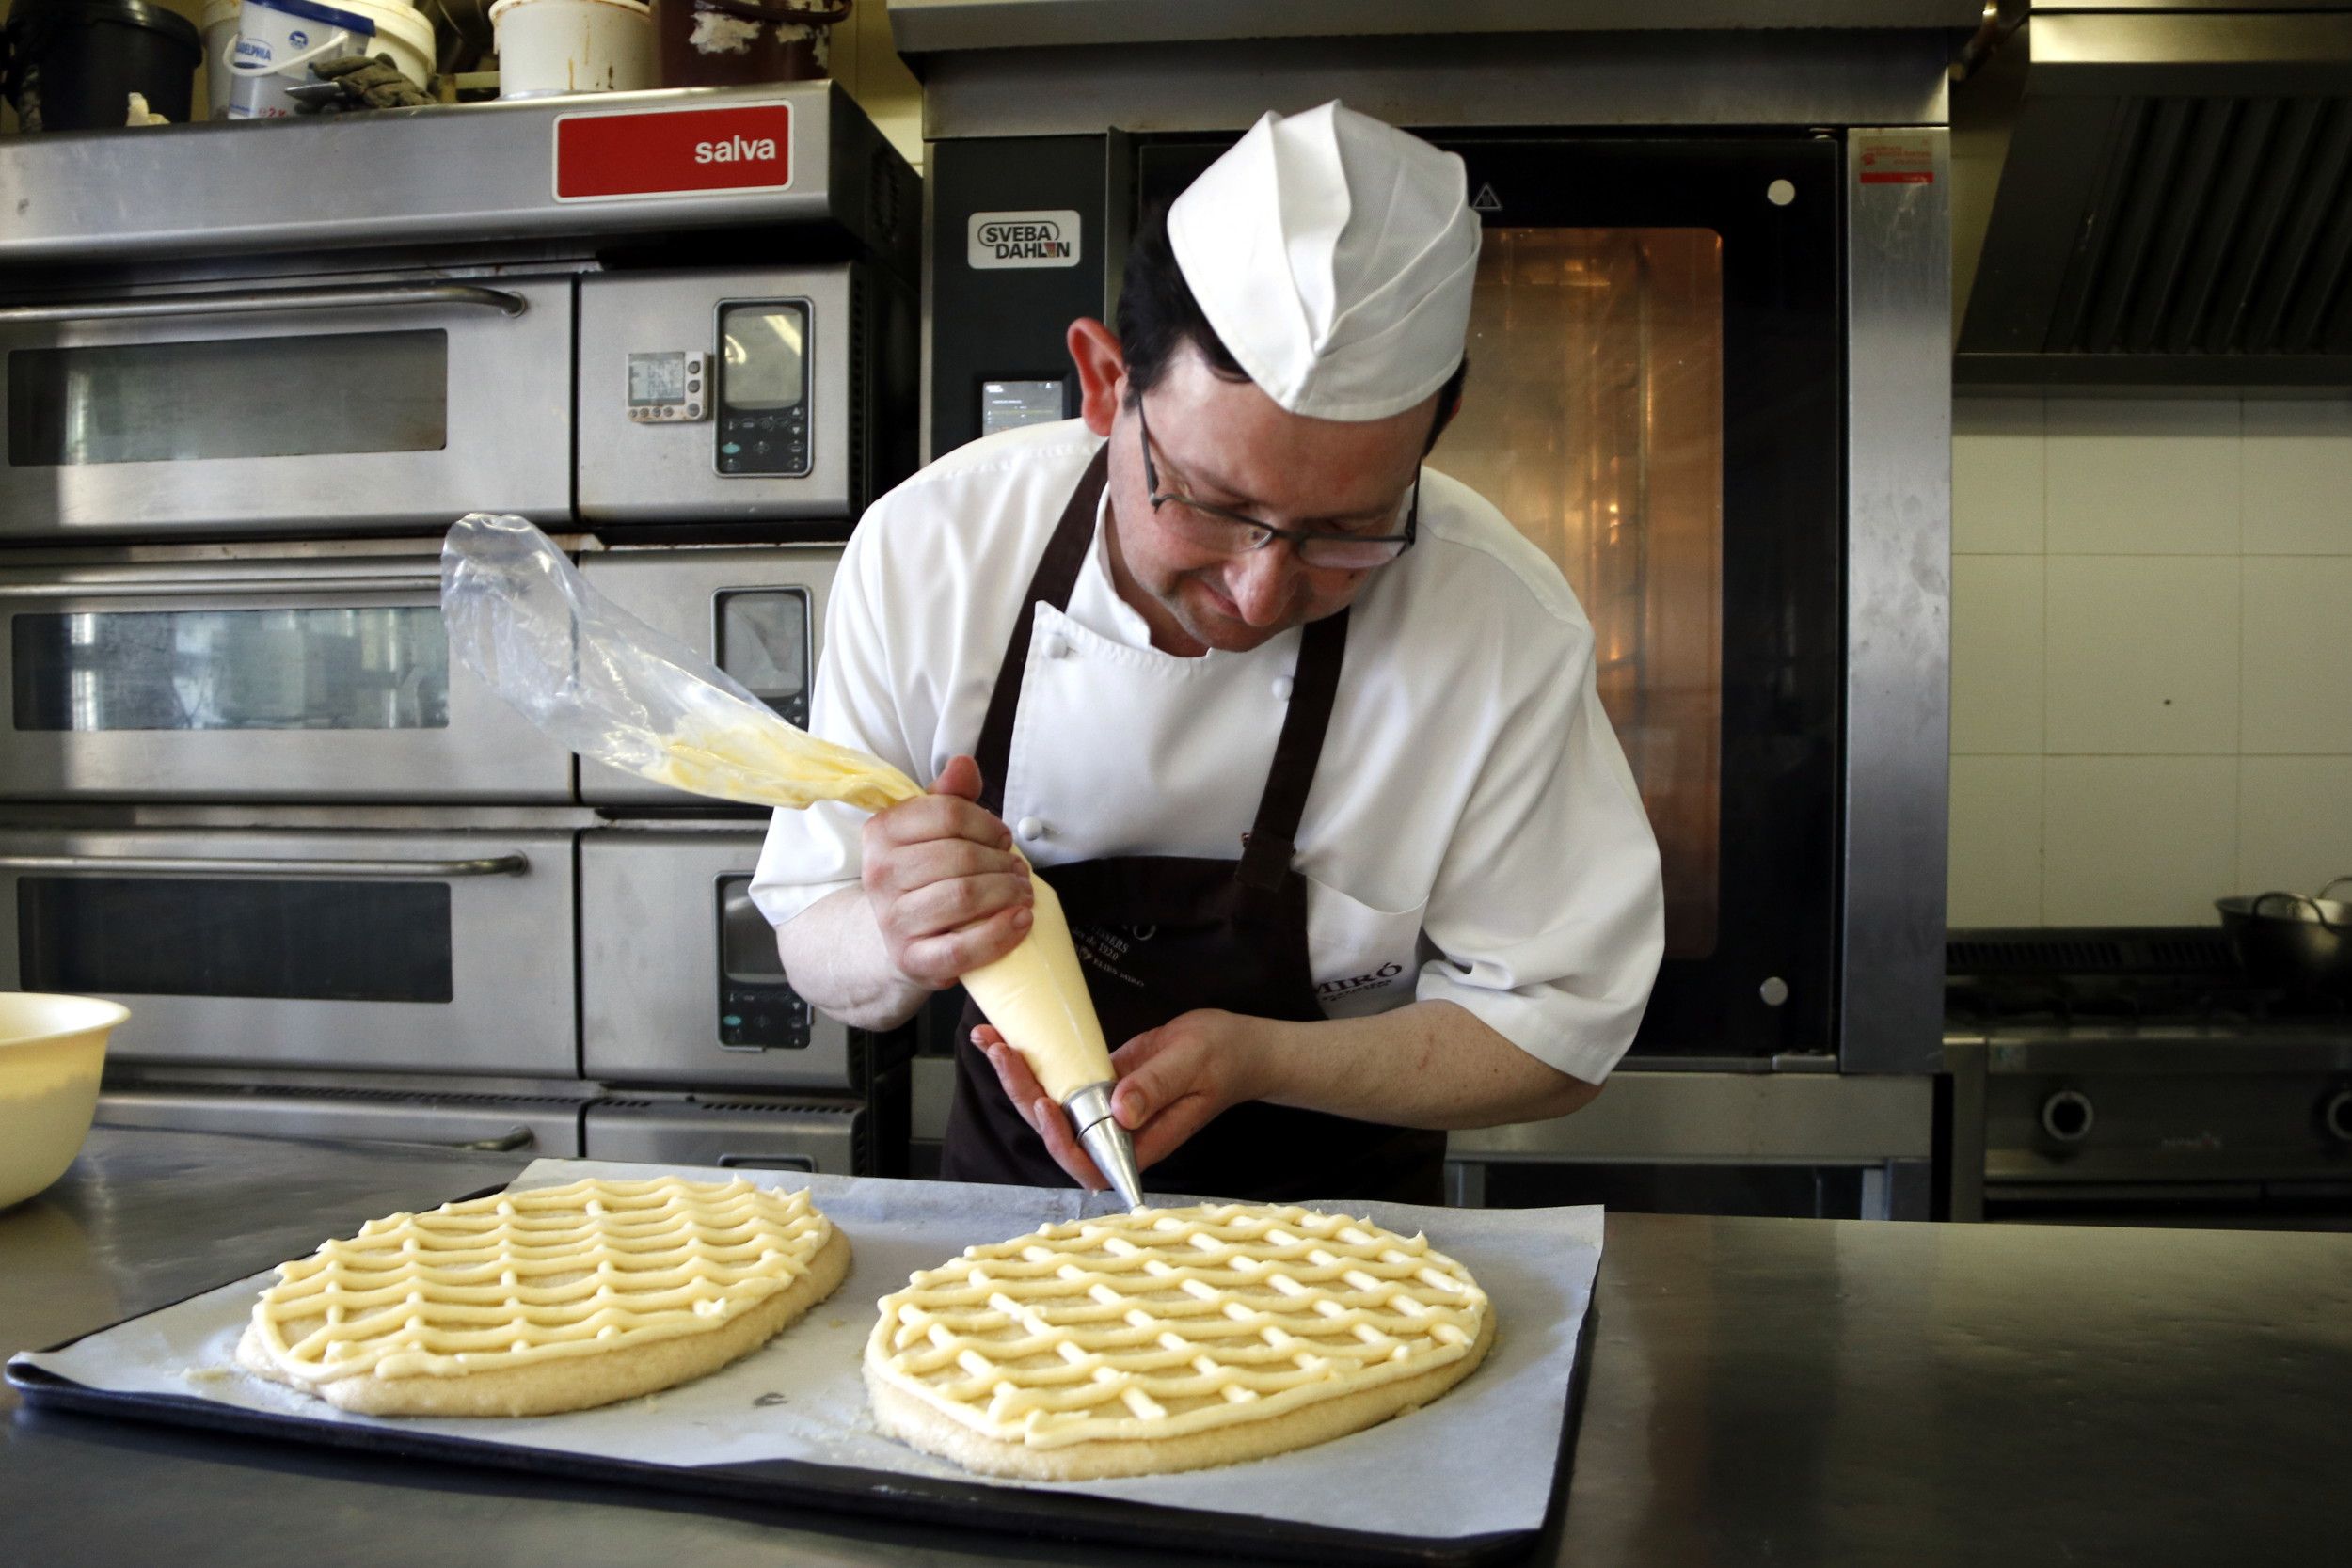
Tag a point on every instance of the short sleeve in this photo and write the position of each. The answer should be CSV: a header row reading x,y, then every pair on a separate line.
x,y
811,853
1548,912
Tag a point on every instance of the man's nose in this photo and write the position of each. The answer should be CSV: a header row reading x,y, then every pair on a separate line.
x,y
1263,583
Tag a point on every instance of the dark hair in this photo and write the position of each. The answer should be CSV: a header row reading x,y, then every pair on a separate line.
x,y
1158,315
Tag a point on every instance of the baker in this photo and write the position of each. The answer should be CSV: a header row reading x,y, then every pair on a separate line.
x,y
1303,735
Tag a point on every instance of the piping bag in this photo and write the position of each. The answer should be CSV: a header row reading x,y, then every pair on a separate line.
x,y
615,690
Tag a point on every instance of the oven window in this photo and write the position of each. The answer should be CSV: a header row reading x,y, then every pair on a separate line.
x,y
237,397
1595,421
191,936
763,642
357,668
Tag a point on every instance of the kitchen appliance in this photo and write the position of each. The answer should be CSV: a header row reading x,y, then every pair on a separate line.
x,y
347,891
2140,1075
1709,377
2149,194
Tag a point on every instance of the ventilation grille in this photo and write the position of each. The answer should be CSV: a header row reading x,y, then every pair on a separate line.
x,y
2090,952
2217,226
861,468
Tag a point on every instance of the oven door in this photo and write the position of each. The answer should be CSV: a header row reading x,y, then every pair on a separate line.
x,y
679,978
273,408
304,680
1656,400
758,615
371,951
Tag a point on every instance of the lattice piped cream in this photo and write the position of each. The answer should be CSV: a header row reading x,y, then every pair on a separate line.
x,y
1170,1340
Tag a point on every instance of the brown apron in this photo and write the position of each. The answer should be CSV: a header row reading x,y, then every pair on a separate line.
x,y
1161,935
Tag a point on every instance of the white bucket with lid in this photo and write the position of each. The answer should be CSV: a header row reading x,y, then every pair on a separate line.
x,y
548,47
220,37
276,41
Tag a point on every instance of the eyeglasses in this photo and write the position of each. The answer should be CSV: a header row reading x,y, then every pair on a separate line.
x,y
1230,532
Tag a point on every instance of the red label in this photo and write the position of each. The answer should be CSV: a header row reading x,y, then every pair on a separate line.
x,y
661,152
1896,161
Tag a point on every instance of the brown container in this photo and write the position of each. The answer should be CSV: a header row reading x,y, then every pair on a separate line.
x,y
725,43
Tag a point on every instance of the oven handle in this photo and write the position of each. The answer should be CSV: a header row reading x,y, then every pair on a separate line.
x,y
409,582
340,296
179,866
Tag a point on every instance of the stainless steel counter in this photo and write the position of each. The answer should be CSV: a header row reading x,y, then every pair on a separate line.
x,y
1807,1391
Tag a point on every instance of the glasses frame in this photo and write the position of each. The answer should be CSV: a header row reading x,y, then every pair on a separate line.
x,y
1266,533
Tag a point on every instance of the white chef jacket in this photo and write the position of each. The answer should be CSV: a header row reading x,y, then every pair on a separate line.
x,y
1472,834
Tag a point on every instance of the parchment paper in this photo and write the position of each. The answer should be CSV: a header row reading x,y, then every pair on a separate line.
x,y
1479,1460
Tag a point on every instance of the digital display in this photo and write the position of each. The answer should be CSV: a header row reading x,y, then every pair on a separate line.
x,y
766,355
1010,404
656,378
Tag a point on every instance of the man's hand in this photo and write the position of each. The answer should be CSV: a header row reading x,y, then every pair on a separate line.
x,y
1048,1120
1174,1079
1171,1081
947,890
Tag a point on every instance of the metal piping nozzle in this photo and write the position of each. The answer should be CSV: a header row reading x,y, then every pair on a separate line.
x,y
1090,1109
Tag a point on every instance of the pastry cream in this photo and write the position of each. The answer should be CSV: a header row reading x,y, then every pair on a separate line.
x,y
1036,996
1172,1321
522,1277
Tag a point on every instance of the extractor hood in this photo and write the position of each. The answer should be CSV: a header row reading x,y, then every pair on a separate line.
x,y
2156,194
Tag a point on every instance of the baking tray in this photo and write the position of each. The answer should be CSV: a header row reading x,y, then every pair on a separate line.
x,y
1063,1512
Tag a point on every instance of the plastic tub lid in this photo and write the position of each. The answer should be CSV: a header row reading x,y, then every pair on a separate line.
x,y
503,5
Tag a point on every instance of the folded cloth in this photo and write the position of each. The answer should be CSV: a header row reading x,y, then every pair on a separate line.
x,y
368,83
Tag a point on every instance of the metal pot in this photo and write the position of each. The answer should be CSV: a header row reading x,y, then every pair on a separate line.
x,y
2284,939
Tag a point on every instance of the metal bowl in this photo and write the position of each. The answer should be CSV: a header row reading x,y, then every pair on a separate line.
x,y
2285,939
52,1051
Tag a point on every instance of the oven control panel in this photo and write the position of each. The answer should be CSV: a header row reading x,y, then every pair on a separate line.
x,y
757,1010
763,387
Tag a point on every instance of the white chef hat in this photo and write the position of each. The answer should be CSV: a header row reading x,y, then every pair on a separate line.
x,y
1334,255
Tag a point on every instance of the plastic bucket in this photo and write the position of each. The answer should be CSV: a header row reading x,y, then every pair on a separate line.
x,y
559,46
73,64
220,37
276,41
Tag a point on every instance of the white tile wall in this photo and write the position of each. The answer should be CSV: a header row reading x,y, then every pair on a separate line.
x,y
1997,638
2298,673
2295,822
1995,877
2181,727
2298,477
2142,476
1997,485
2138,841
2143,656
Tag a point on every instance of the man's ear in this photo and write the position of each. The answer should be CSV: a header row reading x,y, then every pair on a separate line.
x,y
1101,373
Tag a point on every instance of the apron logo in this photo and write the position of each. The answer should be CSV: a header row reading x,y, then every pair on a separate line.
x,y
1143,933
1378,978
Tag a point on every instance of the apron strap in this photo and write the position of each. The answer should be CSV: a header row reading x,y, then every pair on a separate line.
x,y
1056,575
1271,842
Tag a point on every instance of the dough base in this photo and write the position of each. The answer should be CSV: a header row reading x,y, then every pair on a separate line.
x,y
900,1415
574,1382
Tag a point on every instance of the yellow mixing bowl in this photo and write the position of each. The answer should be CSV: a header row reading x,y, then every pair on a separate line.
x,y
52,1050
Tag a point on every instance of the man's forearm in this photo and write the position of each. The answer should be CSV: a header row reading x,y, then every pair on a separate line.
x,y
1431,1064
836,958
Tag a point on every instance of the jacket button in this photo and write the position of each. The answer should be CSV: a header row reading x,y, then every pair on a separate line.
x,y
1056,647
1030,829
1281,688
